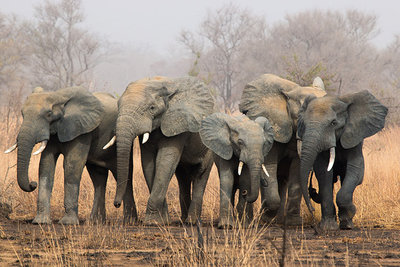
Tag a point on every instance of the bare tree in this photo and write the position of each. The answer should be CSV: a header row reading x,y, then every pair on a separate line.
x,y
14,52
14,58
64,53
332,44
219,50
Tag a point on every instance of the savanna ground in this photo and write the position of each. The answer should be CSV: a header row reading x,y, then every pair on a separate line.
x,y
375,241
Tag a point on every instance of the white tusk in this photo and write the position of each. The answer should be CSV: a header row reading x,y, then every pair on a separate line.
x,y
331,158
240,167
265,170
110,143
299,144
145,137
11,149
41,148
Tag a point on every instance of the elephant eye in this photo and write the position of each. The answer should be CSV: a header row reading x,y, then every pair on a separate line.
x,y
240,142
334,123
49,114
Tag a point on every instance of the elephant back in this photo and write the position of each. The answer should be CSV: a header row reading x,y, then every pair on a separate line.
x,y
108,100
264,97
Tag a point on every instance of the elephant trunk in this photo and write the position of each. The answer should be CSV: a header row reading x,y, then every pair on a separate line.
x,y
26,142
125,137
309,153
255,177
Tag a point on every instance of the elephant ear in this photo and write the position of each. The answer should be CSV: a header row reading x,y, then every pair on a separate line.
x,y
268,134
214,133
82,113
366,117
189,102
264,97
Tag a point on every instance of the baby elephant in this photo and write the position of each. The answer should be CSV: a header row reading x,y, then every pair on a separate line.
x,y
240,146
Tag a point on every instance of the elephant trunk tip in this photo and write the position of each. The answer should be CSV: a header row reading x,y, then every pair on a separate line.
x,y
117,203
31,187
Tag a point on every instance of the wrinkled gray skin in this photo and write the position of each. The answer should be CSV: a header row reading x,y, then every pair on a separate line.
x,y
234,139
76,124
279,101
340,123
170,110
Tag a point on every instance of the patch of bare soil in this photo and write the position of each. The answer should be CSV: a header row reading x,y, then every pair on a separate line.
x,y
22,243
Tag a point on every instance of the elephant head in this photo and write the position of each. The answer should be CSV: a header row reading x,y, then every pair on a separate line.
x,y
328,121
172,105
278,100
249,141
67,113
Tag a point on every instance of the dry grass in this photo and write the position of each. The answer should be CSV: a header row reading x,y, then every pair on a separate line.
x,y
377,201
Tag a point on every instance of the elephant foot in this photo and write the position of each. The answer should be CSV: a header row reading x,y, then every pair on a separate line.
x,y
328,225
226,223
291,220
266,219
69,219
346,224
346,214
98,219
191,219
42,219
155,218
246,223
130,219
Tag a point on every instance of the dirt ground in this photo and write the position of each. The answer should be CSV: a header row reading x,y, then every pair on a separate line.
x,y
24,244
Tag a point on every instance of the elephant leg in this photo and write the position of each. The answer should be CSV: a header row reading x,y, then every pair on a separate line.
x,y
294,194
227,194
167,160
130,211
99,179
270,199
199,179
344,198
184,183
325,183
148,156
46,181
244,211
74,162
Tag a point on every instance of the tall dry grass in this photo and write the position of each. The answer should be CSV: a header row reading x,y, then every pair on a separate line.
x,y
377,201
377,198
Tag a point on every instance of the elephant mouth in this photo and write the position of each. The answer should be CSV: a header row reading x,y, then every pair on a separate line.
x,y
110,143
42,147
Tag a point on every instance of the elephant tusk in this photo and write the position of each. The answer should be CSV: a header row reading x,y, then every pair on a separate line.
x,y
331,158
11,149
145,137
265,170
110,143
41,148
299,145
240,167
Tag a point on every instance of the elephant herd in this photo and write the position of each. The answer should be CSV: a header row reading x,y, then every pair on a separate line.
x,y
284,132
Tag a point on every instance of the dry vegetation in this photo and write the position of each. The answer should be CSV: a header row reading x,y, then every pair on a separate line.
x,y
375,241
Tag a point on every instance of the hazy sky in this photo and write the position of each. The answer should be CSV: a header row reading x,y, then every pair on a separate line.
x,y
156,24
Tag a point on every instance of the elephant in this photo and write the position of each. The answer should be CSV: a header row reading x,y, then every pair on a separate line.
x,y
75,123
280,100
332,130
237,142
165,114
